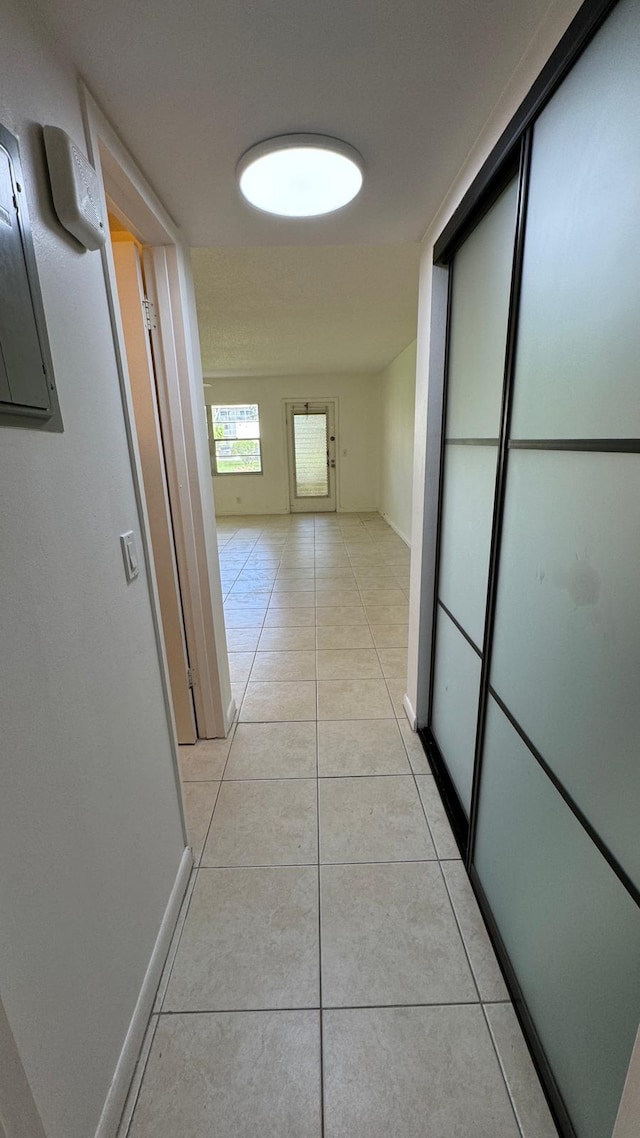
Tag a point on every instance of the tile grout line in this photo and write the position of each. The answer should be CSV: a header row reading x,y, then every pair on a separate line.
x,y
327,864
501,1065
320,1015
316,1008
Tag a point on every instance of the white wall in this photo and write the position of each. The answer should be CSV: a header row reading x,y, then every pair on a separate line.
x,y
90,830
358,433
556,20
397,414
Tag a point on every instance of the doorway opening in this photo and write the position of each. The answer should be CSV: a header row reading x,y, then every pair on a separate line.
x,y
139,324
311,453
155,334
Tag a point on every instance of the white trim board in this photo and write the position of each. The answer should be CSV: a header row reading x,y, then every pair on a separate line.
x,y
182,414
126,1065
409,712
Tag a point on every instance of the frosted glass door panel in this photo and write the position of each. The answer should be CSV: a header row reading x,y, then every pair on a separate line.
x,y
467,511
479,310
571,930
455,704
581,284
566,654
310,455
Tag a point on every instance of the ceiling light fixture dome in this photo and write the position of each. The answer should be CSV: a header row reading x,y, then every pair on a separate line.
x,y
300,175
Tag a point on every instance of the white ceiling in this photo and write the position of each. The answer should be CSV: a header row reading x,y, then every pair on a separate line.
x,y
296,309
189,85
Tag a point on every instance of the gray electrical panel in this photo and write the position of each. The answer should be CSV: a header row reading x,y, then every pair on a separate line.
x,y
27,389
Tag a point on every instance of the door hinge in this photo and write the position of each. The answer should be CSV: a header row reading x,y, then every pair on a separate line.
x,y
149,311
191,678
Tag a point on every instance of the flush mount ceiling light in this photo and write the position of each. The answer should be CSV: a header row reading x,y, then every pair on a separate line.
x,y
300,175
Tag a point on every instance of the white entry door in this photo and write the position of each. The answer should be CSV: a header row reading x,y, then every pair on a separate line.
x,y
311,442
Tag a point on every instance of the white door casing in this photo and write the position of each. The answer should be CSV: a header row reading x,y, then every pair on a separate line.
x,y
311,455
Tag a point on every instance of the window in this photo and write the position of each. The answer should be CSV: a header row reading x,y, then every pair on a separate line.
x,y
234,439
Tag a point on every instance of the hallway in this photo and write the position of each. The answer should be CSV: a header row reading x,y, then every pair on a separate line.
x,y
330,973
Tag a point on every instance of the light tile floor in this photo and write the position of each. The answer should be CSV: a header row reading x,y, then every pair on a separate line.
x,y
330,974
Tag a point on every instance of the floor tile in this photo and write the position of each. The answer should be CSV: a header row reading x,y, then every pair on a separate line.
x,y
414,748
389,635
294,585
441,831
353,699
243,597
340,616
527,1096
348,664
264,823
360,747
243,618
413,1073
233,1075
269,702
242,639
332,560
328,597
203,761
250,941
351,636
290,618
287,640
380,596
288,572
304,599
273,750
389,937
284,666
240,665
334,573
374,577
371,819
199,799
397,690
393,662
387,614
483,960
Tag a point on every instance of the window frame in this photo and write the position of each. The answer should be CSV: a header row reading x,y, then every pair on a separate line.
x,y
213,454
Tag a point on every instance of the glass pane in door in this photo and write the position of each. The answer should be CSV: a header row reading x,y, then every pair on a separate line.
x,y
310,455
570,928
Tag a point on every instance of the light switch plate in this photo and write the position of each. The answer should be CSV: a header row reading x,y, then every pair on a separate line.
x,y
129,555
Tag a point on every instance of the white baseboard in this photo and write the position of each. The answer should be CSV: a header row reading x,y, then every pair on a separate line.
x,y
409,712
357,510
125,1067
395,529
230,716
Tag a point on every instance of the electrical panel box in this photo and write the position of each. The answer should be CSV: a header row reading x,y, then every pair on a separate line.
x,y
27,390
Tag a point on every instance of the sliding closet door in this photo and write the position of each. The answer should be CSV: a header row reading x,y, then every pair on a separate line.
x,y
481,285
557,848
